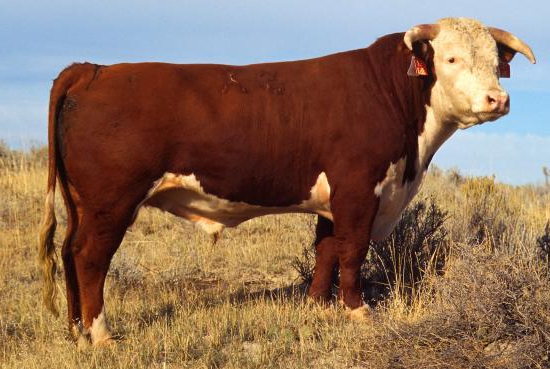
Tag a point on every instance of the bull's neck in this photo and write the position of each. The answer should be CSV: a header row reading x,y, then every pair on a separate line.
x,y
404,98
438,126
436,131
409,99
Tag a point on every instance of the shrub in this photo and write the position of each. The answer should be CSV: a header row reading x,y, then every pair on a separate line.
x,y
543,243
4,149
416,246
36,156
487,313
305,264
455,177
490,217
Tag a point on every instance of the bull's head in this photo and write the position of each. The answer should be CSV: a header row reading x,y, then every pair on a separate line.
x,y
466,57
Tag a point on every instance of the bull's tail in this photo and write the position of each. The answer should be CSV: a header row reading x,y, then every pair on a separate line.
x,y
46,252
46,246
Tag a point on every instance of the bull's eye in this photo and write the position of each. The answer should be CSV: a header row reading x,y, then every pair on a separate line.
x,y
451,60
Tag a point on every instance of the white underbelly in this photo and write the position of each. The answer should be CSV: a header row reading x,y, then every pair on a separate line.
x,y
184,196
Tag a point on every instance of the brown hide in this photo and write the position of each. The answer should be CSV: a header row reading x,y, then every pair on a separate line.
x,y
259,134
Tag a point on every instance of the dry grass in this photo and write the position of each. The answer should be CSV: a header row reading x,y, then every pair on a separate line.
x,y
181,302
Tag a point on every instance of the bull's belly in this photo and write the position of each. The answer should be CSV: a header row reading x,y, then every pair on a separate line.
x,y
183,195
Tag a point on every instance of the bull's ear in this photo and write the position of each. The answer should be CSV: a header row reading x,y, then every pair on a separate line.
x,y
423,50
421,60
417,40
505,53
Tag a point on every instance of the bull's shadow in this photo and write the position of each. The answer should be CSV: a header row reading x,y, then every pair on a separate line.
x,y
293,292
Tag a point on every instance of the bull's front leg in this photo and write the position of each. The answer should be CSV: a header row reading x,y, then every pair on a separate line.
x,y
347,245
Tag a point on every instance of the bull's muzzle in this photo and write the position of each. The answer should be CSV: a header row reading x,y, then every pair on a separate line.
x,y
497,101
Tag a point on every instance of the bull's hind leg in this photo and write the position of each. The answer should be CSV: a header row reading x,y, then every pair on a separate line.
x,y
326,259
99,236
71,283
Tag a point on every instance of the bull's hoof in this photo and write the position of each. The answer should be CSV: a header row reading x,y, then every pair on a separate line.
x,y
86,338
361,314
83,342
104,342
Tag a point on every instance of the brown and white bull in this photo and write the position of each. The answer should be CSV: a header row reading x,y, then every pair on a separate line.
x,y
346,136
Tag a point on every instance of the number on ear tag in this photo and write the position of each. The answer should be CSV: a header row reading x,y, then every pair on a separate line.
x,y
417,68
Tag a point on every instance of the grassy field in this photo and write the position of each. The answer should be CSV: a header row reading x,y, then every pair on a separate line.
x,y
473,292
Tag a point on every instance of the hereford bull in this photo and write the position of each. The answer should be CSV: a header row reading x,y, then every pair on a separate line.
x,y
346,136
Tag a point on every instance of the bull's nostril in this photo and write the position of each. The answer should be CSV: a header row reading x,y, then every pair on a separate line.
x,y
491,100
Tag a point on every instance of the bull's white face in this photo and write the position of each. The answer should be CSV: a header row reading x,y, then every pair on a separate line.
x,y
467,89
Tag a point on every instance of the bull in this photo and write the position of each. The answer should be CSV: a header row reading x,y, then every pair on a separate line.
x,y
347,136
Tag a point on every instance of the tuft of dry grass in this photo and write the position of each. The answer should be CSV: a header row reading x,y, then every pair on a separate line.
x,y
480,278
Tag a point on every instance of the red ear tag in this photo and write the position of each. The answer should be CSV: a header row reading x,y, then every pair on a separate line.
x,y
417,68
503,69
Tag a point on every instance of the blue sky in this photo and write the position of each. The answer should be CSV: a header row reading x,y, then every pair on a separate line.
x,y
38,39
